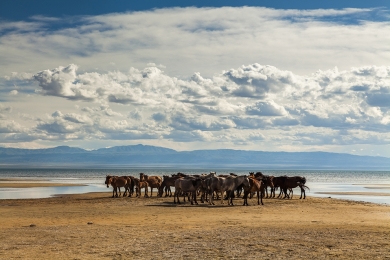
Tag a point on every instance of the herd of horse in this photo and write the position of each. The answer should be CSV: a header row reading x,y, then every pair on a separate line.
x,y
209,186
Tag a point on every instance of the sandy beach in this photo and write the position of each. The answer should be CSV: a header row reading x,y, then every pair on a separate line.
x,y
96,226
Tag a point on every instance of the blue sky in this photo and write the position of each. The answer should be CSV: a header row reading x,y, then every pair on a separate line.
x,y
262,75
23,9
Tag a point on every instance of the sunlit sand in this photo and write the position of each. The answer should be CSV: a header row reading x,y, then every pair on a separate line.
x,y
96,226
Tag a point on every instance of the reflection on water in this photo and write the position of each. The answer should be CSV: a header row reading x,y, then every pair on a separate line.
x,y
315,190
318,188
46,192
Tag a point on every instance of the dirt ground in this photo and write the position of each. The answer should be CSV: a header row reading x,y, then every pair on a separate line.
x,y
96,226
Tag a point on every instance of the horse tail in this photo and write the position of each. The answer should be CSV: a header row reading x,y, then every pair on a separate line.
x,y
305,187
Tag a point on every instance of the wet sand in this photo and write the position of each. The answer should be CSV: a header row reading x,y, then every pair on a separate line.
x,y
96,226
356,193
35,184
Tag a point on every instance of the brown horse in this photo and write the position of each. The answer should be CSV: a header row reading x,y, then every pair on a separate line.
x,y
153,181
118,182
254,186
140,185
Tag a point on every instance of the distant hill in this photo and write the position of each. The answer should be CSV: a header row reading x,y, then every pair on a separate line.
x,y
153,156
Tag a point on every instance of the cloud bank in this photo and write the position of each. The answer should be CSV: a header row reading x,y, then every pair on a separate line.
x,y
253,103
83,80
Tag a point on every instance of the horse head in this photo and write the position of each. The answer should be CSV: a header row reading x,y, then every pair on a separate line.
x,y
246,182
108,180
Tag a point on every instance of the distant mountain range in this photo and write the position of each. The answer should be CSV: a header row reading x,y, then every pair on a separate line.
x,y
153,156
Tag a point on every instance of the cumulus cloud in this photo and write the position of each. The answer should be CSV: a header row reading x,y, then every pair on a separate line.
x,y
331,107
10,127
266,108
274,98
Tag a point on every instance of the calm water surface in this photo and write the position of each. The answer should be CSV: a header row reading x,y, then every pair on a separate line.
x,y
317,181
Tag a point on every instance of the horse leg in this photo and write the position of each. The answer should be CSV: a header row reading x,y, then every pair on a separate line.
x,y
192,198
196,202
178,201
129,191
230,198
245,198
280,193
113,189
304,193
261,200
286,194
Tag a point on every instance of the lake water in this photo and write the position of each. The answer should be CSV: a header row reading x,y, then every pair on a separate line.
x,y
320,182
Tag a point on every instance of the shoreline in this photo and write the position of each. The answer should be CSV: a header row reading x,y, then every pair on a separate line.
x,y
8,184
352,193
36,184
96,226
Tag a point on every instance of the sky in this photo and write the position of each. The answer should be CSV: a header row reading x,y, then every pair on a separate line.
x,y
188,75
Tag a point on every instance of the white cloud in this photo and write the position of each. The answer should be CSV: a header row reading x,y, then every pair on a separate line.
x,y
10,126
105,93
266,108
332,98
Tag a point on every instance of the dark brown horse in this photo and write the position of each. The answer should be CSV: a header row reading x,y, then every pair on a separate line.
x,y
166,184
293,182
277,181
268,182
